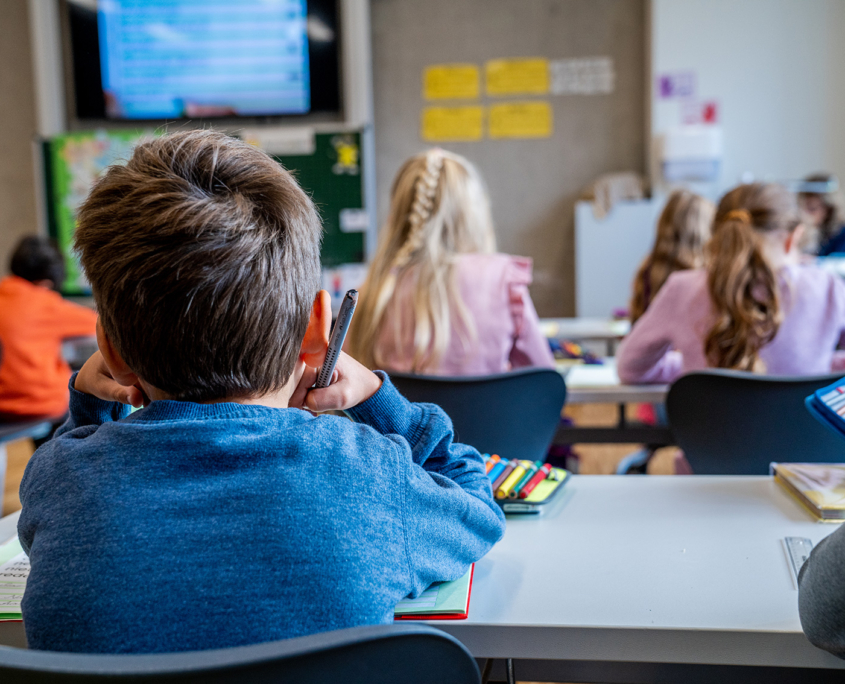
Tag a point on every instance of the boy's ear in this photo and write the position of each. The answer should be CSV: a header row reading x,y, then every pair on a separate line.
x,y
122,374
316,340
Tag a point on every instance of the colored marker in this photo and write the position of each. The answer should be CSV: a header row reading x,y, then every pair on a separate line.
x,y
538,477
509,468
511,480
496,470
529,473
558,475
493,460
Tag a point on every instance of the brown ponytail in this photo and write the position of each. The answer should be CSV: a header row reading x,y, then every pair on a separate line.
x,y
743,287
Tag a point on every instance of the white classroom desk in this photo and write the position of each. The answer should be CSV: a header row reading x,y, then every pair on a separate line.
x,y
623,576
635,579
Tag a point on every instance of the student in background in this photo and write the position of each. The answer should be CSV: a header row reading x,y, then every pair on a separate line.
x,y
438,298
823,215
752,308
34,319
682,231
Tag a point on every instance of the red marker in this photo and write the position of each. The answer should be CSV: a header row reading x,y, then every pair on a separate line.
x,y
493,460
541,475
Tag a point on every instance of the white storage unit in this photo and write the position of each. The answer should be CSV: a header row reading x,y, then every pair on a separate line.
x,y
608,252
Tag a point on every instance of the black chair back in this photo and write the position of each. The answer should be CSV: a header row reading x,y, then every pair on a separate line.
x,y
383,654
735,423
511,414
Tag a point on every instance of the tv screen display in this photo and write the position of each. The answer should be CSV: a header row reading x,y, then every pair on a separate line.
x,y
171,59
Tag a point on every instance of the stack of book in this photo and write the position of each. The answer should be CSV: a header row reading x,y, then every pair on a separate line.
x,y
819,487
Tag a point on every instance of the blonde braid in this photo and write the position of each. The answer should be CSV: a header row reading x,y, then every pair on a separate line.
x,y
426,189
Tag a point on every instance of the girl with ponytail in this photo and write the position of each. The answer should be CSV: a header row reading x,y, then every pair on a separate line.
x,y
753,307
438,299
682,231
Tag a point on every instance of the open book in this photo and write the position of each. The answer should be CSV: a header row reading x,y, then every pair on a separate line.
x,y
441,601
14,569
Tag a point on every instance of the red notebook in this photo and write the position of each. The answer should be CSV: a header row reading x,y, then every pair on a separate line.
x,y
441,601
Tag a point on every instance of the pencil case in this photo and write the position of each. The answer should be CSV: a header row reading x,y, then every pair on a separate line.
x,y
826,405
543,493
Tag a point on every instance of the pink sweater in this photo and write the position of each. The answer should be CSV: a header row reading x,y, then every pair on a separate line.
x,y
494,289
668,340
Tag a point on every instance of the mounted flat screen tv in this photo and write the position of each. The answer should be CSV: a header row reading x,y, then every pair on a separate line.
x,y
148,60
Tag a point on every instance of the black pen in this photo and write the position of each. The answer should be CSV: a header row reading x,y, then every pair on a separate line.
x,y
341,327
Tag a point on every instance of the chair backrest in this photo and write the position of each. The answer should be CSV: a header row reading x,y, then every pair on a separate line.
x,y
734,423
382,654
511,414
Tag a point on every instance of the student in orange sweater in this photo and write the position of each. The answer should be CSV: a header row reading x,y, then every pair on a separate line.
x,y
34,319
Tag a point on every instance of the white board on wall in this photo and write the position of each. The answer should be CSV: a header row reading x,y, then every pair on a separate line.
x,y
608,253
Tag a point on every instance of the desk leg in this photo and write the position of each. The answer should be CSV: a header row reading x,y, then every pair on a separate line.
x,y
622,420
509,667
485,673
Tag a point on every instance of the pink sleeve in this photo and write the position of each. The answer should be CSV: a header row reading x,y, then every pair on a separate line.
x,y
530,347
646,355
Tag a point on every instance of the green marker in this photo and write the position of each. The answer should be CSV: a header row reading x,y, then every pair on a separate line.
x,y
528,475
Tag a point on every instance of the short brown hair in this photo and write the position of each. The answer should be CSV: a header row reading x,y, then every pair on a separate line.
x,y
204,257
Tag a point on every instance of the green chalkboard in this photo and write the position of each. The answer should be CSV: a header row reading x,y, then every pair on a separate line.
x,y
332,176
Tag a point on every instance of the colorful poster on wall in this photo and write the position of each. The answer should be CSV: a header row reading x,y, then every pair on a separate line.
x,y
521,120
74,162
517,76
452,124
451,82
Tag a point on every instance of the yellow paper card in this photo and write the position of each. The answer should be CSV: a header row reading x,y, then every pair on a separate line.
x,y
451,82
440,124
521,120
517,76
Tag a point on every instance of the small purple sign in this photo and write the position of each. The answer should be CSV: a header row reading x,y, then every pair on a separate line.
x,y
680,84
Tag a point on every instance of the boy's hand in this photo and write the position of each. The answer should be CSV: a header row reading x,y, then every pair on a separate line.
x,y
96,379
351,385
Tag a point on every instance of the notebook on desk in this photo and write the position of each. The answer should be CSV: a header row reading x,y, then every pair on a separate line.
x,y
14,569
593,375
441,601
820,487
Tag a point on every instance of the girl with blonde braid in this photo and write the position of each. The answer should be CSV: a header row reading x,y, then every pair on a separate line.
x,y
753,307
438,298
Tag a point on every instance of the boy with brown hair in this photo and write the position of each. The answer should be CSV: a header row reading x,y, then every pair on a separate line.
x,y
221,514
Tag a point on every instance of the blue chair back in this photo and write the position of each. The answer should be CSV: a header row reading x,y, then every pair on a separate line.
x,y
512,414
735,423
382,654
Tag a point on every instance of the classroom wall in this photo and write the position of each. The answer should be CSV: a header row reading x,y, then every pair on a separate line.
x,y
17,128
777,71
533,183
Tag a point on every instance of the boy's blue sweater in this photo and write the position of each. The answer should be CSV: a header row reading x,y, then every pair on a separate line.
x,y
193,526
